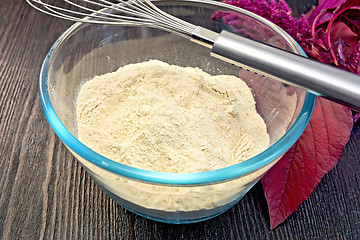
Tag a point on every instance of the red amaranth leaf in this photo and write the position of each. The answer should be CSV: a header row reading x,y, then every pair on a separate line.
x,y
296,175
351,18
356,117
330,34
354,60
335,31
320,10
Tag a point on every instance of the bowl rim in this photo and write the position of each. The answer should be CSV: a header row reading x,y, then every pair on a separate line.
x,y
224,174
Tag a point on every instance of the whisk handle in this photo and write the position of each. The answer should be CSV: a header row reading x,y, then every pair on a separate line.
x,y
318,78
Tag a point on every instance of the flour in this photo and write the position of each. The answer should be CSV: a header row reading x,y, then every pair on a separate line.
x,y
162,117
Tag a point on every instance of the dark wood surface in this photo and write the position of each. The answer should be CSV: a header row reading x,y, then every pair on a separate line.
x,y
44,192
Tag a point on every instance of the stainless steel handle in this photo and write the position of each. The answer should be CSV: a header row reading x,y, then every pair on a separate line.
x,y
321,79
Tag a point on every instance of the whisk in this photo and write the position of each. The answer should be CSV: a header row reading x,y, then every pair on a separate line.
x,y
315,77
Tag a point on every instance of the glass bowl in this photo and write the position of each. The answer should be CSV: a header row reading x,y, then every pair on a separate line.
x,y
87,50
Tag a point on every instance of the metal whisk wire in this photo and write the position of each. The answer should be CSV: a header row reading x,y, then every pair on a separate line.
x,y
120,12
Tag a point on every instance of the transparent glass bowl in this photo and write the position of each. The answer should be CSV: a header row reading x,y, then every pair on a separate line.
x,y
85,51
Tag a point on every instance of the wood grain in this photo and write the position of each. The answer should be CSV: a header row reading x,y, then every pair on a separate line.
x,y
45,194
